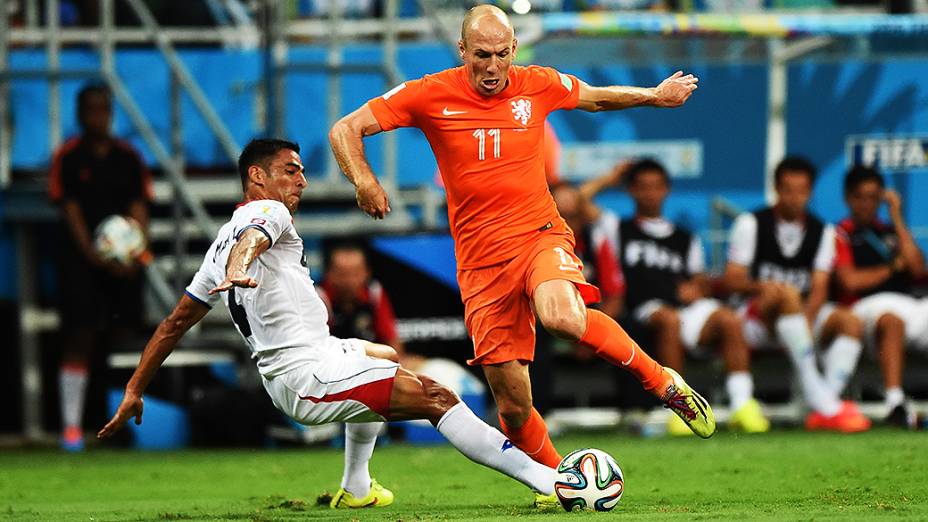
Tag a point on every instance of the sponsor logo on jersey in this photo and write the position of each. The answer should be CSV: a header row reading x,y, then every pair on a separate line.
x,y
796,277
653,255
446,112
522,110
506,445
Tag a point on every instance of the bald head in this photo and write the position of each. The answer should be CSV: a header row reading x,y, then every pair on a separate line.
x,y
487,48
485,19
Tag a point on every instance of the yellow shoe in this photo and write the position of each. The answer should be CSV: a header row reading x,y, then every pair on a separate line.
x,y
749,418
379,496
689,406
677,428
547,502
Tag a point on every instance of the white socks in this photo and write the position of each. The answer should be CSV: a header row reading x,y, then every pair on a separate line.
x,y
359,446
793,333
72,386
740,388
894,397
840,361
485,445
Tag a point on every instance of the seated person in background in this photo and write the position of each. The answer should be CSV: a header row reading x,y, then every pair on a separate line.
x,y
667,289
358,306
877,265
779,261
595,246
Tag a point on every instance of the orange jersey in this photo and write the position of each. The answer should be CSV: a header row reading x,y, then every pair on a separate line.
x,y
490,152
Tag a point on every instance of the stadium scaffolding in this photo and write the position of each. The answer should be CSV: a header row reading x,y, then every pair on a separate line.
x,y
784,38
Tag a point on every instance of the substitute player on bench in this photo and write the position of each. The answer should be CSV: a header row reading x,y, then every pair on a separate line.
x,y
876,267
779,261
257,265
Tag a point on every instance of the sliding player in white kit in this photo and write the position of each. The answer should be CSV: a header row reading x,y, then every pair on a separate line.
x,y
257,265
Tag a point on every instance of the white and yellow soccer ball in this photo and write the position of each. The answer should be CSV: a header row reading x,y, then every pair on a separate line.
x,y
589,479
119,238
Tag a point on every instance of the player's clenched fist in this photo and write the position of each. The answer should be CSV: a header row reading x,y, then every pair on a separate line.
x,y
373,200
675,90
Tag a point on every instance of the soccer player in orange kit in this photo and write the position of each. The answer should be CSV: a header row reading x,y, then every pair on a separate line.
x,y
485,124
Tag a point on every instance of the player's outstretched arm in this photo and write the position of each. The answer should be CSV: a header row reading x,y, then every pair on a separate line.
x,y
249,245
186,314
672,92
347,140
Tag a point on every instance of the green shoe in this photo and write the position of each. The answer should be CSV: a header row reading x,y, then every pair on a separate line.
x,y
749,419
379,496
677,428
546,502
689,406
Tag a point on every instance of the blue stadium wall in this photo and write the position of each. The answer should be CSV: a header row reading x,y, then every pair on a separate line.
x,y
828,102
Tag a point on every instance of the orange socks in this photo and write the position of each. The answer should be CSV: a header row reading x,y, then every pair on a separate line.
x,y
532,438
610,342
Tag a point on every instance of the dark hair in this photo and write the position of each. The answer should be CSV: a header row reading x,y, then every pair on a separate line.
x,y
259,152
561,184
794,164
860,174
645,165
83,97
343,245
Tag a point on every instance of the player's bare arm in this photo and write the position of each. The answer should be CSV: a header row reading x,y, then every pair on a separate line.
x,y
694,289
912,258
186,314
818,294
138,210
738,280
854,279
672,92
250,244
77,226
347,140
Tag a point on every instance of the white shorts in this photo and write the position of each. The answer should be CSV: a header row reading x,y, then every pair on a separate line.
x,y
344,385
759,337
912,311
693,318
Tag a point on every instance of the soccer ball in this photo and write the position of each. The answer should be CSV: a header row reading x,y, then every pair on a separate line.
x,y
119,238
589,479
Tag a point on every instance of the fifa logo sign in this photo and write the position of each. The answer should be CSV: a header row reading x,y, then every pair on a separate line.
x,y
522,110
888,153
653,255
796,277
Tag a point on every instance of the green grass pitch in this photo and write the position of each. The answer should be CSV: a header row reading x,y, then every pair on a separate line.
x,y
786,475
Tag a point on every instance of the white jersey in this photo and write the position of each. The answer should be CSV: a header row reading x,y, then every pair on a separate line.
x,y
742,242
283,321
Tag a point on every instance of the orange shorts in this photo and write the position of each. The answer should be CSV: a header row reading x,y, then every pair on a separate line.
x,y
497,299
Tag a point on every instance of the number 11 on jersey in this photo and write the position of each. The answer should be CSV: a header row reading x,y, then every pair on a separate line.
x,y
481,135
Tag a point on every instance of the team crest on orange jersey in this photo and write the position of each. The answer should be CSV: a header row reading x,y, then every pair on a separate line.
x,y
522,110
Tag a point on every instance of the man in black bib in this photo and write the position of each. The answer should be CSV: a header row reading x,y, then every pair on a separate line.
x,y
668,292
877,265
779,263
